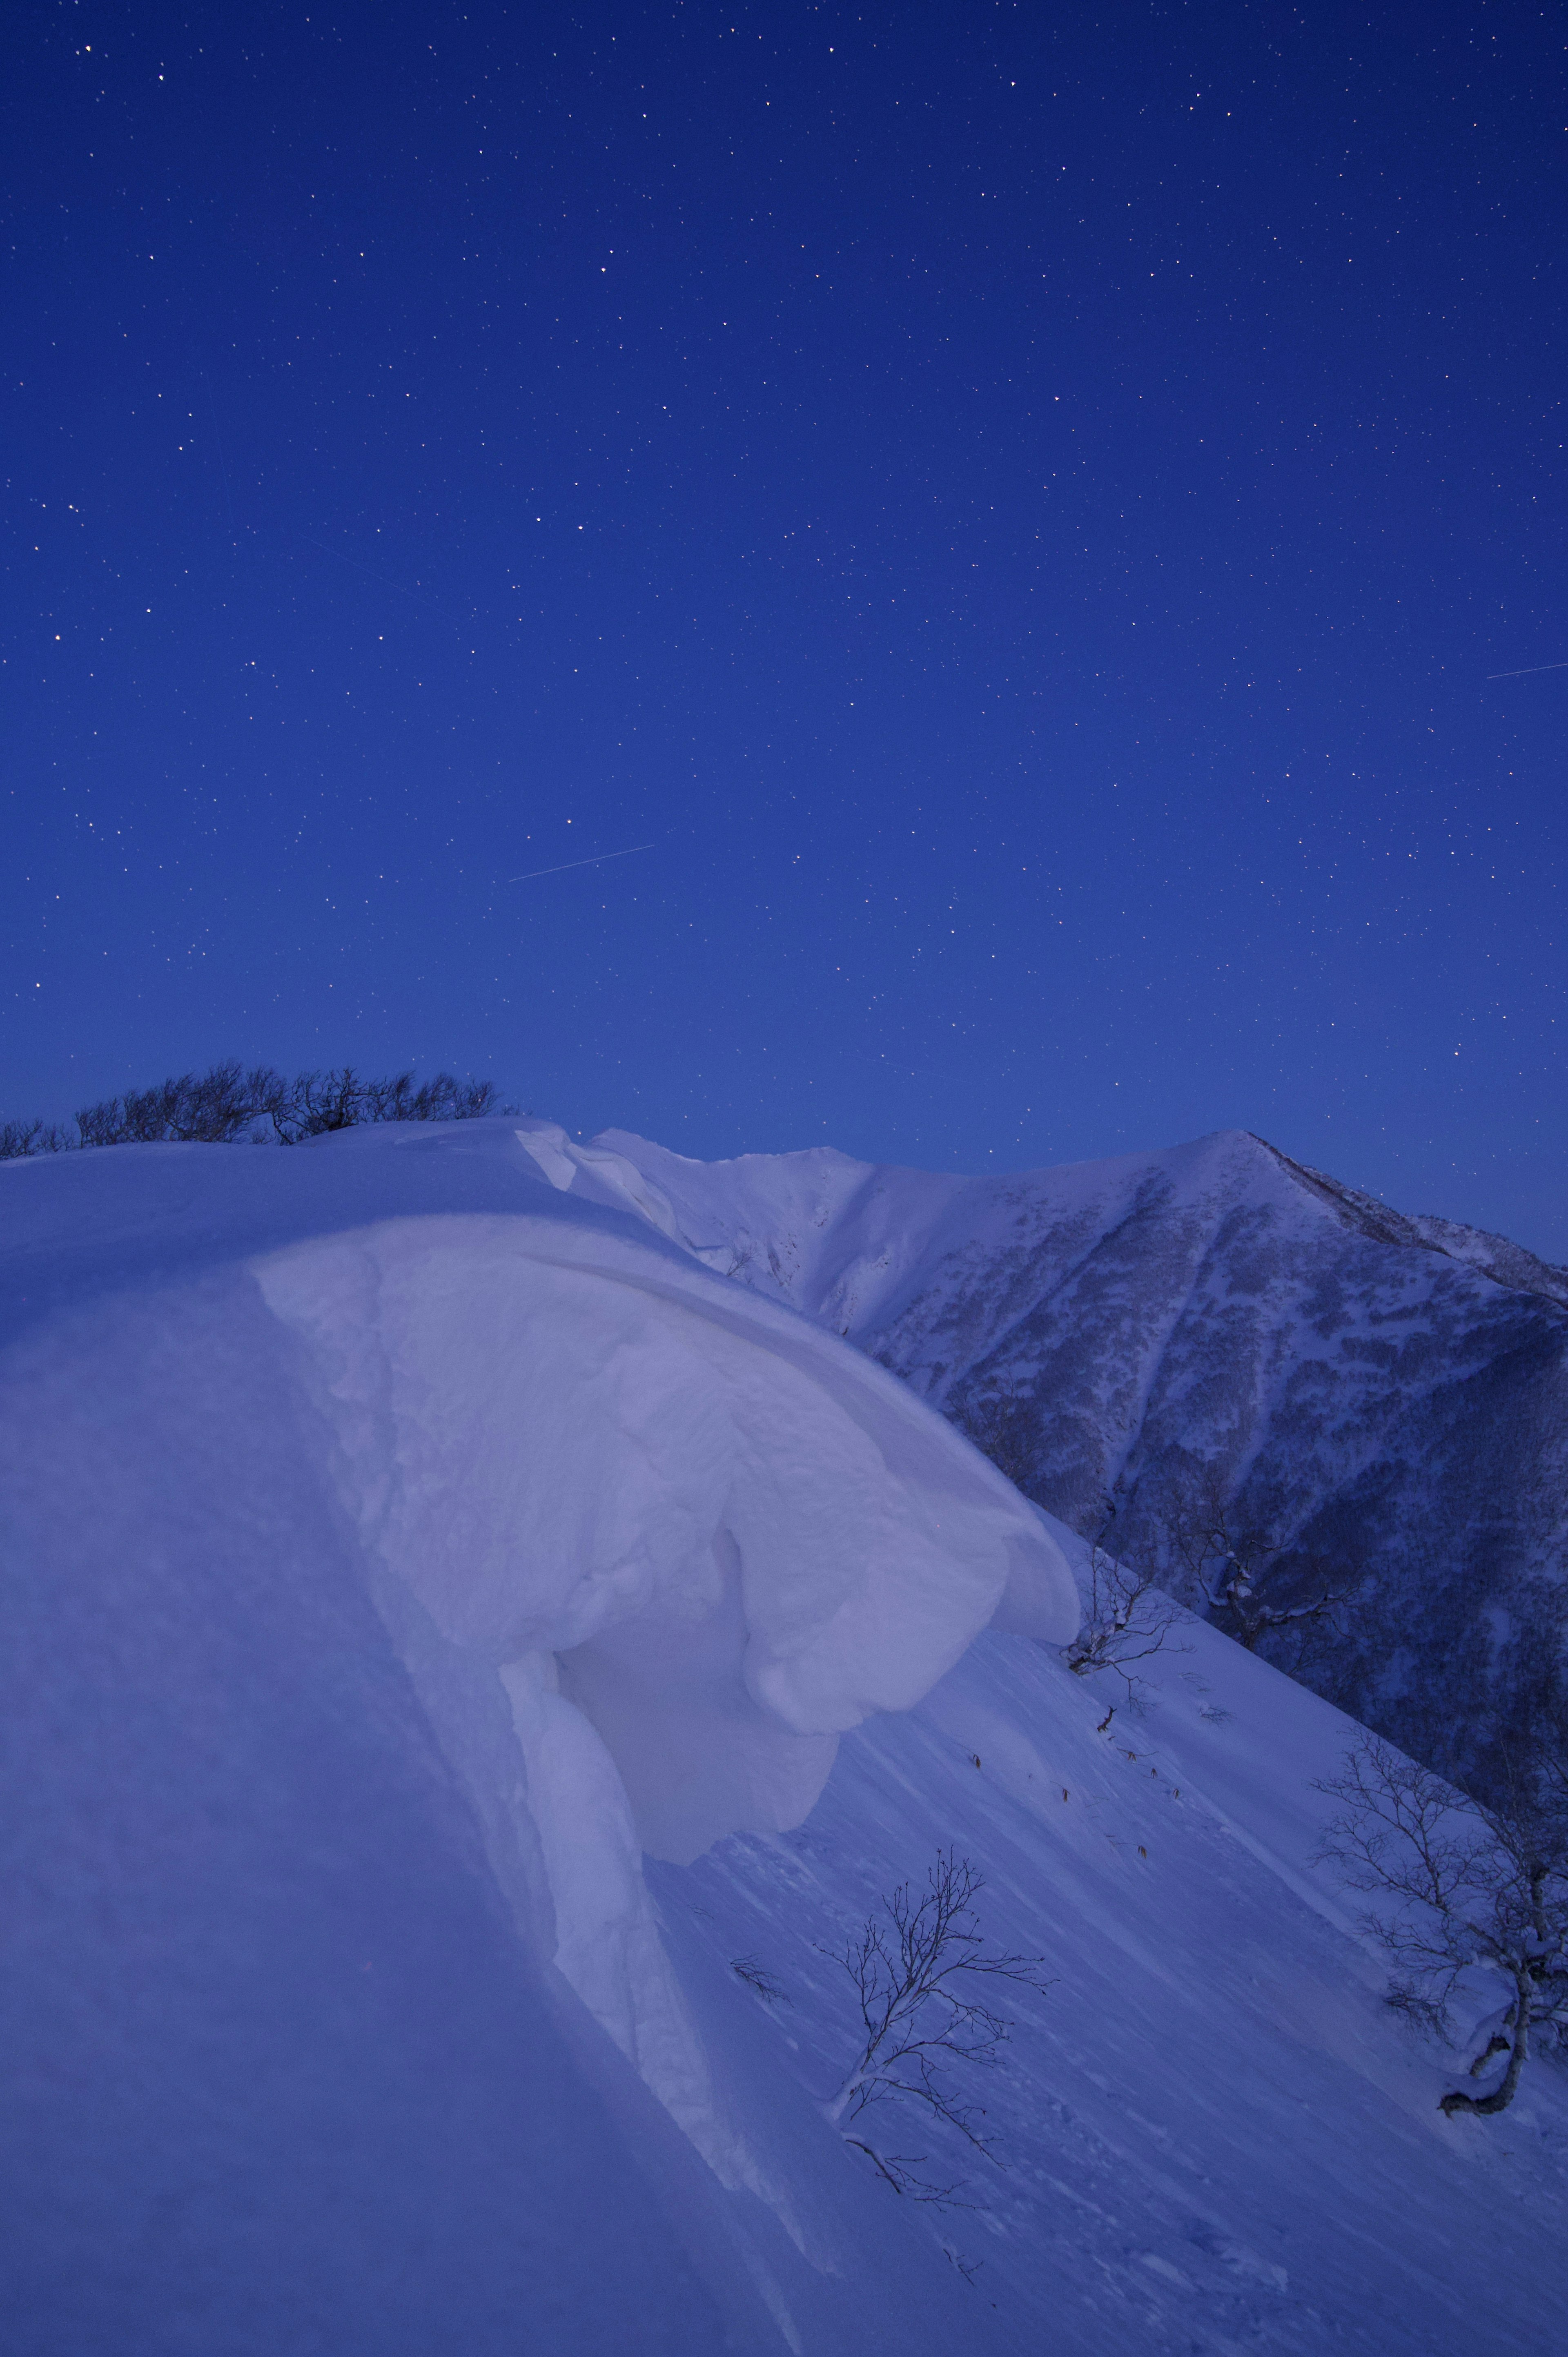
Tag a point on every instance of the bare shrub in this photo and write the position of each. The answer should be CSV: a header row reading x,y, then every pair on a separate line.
x,y
228,1102
924,1979
1463,1885
758,1978
20,1138
1243,1578
1126,1618
212,1107
318,1102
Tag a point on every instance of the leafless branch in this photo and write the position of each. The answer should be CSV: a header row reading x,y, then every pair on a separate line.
x,y
1126,1618
1462,1885
754,1973
925,1984
1237,1570
228,1103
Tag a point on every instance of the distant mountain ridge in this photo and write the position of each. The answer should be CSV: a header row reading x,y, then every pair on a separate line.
x,y
1496,1256
1388,1393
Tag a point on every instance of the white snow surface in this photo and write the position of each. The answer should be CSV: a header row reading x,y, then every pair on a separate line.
x,y
449,1629
1390,1394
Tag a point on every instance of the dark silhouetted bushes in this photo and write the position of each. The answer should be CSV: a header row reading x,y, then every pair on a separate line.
x,y
228,1103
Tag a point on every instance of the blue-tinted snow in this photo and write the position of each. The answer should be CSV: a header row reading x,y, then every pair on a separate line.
x,y
295,2066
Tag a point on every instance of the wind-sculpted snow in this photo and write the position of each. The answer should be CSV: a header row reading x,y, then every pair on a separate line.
x,y
692,1540
1390,1394
400,1536
645,1546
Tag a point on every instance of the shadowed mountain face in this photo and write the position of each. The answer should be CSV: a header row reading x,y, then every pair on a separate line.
x,y
1384,1397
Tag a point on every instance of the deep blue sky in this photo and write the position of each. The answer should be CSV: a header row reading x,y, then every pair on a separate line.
x,y
1018,505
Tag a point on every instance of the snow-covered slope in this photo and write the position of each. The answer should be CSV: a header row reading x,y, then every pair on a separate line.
x,y
1389,1393
449,1629
379,1500
1212,2134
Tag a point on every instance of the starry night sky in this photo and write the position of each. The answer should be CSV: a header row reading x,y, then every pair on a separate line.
x,y
1017,506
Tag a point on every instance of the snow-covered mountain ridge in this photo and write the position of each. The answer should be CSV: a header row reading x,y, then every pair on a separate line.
x,y
1494,1256
469,1664
1389,1393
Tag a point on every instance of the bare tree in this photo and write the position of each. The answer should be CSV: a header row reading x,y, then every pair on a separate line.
x,y
1125,1616
924,1980
19,1139
316,1103
1240,1575
228,1102
214,1107
1463,1885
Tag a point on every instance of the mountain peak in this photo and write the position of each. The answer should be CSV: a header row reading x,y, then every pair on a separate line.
x,y
1494,1256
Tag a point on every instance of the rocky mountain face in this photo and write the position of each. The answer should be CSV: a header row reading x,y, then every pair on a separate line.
x,y
1381,1399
